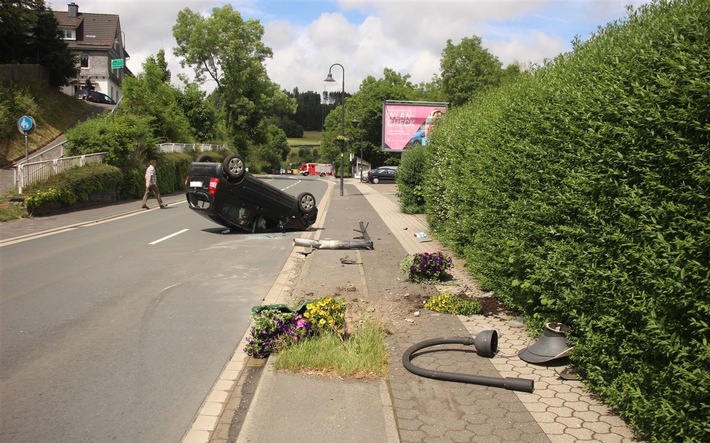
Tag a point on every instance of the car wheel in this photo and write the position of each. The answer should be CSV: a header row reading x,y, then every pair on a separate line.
x,y
306,202
322,174
233,167
204,158
375,180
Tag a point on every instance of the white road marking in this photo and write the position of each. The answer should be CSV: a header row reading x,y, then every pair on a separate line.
x,y
167,237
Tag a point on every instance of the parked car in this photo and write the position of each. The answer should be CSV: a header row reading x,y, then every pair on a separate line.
x,y
94,96
383,173
230,196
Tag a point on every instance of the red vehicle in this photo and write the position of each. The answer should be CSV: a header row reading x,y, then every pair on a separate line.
x,y
321,169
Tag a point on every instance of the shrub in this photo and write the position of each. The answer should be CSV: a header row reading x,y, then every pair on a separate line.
x,y
78,186
410,180
128,141
579,194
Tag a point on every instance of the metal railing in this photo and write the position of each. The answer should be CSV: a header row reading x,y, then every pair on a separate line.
x,y
32,172
181,147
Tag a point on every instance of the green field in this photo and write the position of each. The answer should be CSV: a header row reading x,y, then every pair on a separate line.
x,y
311,138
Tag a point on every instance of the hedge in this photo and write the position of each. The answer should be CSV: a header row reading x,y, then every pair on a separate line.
x,y
76,188
579,194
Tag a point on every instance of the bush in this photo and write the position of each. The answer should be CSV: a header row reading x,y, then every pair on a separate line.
x,y
410,180
579,194
76,187
128,141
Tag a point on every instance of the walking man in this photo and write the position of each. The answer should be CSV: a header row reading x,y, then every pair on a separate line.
x,y
151,185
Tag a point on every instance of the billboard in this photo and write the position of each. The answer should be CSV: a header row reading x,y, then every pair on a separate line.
x,y
407,124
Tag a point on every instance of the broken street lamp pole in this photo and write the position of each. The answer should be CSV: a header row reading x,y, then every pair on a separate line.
x,y
363,243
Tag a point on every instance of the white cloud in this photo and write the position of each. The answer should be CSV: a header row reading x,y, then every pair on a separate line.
x,y
366,37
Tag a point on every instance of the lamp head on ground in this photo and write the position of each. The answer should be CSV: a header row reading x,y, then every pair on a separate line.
x,y
551,345
486,343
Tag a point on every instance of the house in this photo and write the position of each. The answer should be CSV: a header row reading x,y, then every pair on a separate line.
x,y
98,42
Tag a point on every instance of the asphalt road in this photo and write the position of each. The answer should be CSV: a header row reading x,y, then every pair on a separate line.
x,y
116,331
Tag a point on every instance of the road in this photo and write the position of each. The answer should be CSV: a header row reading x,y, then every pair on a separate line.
x,y
116,331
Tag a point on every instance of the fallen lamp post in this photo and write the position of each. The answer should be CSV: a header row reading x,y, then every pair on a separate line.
x,y
361,242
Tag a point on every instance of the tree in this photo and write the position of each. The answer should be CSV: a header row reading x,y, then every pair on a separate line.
x,y
163,65
366,106
467,69
29,33
201,113
310,111
229,50
150,95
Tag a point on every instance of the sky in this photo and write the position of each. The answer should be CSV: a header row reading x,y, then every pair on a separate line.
x,y
408,36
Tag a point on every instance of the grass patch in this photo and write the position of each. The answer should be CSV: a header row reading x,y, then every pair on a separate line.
x,y
361,355
309,138
10,210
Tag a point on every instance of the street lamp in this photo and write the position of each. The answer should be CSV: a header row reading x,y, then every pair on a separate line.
x,y
330,78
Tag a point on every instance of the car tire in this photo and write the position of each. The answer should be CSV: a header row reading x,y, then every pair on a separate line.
x,y
204,158
306,202
233,167
375,180
322,174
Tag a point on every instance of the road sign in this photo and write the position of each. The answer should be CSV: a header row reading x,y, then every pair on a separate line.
x,y
117,63
26,125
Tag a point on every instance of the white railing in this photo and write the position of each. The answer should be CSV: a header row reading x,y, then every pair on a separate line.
x,y
181,147
28,173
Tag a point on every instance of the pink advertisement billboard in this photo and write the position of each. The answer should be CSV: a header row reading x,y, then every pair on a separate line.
x,y
407,124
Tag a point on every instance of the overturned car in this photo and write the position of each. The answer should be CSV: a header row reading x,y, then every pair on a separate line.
x,y
229,196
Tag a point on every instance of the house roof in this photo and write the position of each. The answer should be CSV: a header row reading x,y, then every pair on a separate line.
x,y
93,31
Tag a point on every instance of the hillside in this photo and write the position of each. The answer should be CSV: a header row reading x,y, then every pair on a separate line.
x,y
52,111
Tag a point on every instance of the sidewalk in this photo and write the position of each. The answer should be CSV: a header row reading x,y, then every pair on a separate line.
x,y
403,407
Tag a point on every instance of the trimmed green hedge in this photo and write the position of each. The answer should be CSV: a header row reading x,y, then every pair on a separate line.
x,y
75,188
410,181
580,195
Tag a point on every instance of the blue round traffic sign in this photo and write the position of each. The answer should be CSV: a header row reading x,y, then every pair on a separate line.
x,y
26,124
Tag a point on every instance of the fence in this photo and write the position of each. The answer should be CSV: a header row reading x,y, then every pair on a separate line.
x,y
28,173
181,147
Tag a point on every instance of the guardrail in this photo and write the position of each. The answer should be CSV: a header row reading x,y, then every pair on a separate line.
x,y
181,147
28,173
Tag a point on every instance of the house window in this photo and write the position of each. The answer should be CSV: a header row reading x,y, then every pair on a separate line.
x,y
69,34
85,62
